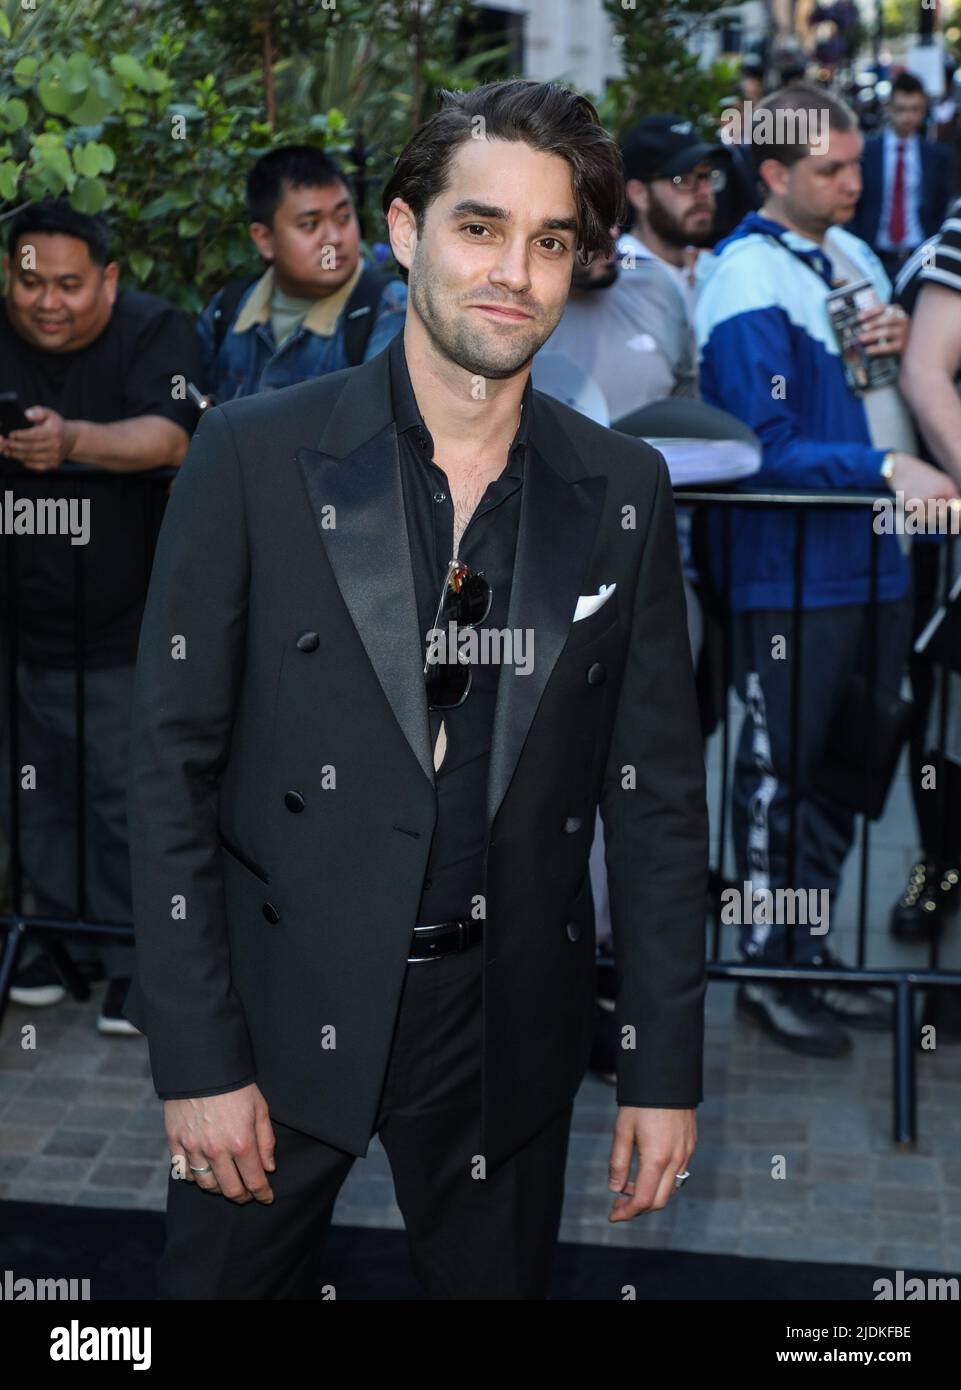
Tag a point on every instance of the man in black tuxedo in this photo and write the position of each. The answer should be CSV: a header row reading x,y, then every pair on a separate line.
x,y
361,865
906,180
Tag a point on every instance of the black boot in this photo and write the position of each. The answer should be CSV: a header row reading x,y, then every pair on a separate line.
x,y
931,893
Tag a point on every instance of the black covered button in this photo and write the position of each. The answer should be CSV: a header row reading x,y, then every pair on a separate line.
x,y
308,641
573,932
572,824
294,802
271,913
596,675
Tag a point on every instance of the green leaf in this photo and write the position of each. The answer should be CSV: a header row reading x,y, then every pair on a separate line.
x,y
108,160
141,264
48,154
25,71
129,68
13,113
188,226
86,160
53,97
5,30
8,180
91,109
90,195
154,80
77,76
158,207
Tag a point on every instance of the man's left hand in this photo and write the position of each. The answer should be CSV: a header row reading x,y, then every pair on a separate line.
x,y
664,1140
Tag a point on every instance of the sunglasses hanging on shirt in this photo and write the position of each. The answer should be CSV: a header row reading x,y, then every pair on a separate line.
x,y
465,601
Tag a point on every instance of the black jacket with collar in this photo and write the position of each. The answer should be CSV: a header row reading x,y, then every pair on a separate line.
x,y
281,799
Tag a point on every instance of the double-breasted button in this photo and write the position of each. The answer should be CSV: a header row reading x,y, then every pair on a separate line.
x,y
596,674
573,931
308,642
294,802
271,913
572,824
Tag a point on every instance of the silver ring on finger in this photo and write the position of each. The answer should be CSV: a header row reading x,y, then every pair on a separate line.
x,y
681,1178
208,1169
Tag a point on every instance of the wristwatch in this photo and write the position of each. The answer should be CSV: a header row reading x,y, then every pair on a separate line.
x,y
887,467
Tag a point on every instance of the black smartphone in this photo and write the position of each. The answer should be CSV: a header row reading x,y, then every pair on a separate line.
x,y
11,413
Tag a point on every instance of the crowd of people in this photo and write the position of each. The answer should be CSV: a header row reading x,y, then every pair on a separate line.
x,y
719,288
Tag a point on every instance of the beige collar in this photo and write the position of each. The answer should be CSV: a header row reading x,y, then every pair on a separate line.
x,y
321,319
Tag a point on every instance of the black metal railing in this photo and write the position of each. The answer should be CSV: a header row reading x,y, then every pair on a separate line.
x,y
903,981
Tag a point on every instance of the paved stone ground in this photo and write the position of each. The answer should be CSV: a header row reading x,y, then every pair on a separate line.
x,y
79,1123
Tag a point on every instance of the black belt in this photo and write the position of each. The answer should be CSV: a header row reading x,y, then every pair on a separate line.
x,y
444,938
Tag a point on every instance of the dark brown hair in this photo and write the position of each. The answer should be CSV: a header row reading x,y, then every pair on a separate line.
x,y
543,115
800,97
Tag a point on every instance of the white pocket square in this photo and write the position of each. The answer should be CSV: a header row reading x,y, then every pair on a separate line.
x,y
590,603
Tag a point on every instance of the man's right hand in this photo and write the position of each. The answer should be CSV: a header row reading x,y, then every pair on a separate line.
x,y
917,479
232,1134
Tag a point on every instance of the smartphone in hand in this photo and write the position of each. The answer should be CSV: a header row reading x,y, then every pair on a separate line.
x,y
12,416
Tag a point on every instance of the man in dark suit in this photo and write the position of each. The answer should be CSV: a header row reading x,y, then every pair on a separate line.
x,y
360,864
906,180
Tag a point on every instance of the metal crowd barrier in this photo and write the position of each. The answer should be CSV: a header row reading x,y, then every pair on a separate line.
x,y
902,980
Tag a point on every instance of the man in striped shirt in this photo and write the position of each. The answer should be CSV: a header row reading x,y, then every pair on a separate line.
x,y
929,287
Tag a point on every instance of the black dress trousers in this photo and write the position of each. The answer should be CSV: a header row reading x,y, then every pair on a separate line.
x,y
471,1236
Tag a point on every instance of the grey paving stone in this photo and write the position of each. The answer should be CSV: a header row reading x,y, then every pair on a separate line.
x,y
911,1228
74,1143
842,1167
117,1198
143,1147
53,1088
33,1113
906,1256
62,1171
846,1196
11,1083
146,1119
131,1176
891,1198
100,1117
21,1139
113,1091
124,1064
28,1190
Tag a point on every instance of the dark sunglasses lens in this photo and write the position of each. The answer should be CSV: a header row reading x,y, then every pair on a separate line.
x,y
447,685
471,603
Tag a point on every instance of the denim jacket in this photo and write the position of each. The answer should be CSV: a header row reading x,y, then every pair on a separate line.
x,y
249,360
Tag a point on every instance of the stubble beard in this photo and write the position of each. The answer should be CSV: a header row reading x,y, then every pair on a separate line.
x,y
461,342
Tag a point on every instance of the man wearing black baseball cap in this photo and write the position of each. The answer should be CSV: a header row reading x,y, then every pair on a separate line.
x,y
670,183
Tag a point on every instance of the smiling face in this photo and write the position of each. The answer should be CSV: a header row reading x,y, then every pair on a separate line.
x,y
314,242
61,300
490,269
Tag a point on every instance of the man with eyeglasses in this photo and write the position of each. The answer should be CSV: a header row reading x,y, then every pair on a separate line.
x,y
671,183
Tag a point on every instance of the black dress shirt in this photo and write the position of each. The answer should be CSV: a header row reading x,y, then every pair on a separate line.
x,y
455,866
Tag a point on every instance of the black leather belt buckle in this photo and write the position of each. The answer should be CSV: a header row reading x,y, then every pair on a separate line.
x,y
441,939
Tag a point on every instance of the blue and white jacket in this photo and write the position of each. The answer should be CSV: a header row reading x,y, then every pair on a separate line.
x,y
768,354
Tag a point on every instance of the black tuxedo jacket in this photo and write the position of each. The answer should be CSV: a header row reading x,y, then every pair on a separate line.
x,y
282,798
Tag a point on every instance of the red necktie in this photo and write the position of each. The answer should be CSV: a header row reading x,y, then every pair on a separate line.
x,y
896,220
